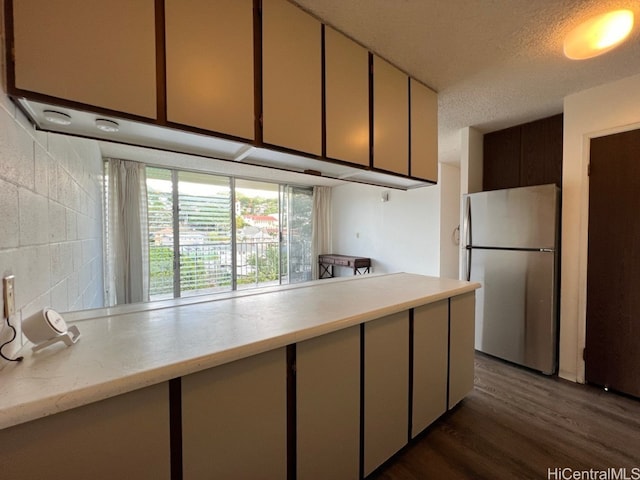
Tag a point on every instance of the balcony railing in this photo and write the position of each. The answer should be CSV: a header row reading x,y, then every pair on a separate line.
x,y
208,268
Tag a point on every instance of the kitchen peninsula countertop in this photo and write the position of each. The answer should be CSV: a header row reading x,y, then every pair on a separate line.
x,y
122,350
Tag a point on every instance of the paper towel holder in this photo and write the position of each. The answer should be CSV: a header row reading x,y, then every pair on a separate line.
x,y
46,327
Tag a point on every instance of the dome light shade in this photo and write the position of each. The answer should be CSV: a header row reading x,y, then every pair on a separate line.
x,y
57,118
106,125
598,35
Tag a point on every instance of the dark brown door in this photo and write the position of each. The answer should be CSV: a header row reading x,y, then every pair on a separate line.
x,y
613,275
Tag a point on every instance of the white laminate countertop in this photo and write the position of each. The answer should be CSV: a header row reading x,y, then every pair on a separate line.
x,y
119,353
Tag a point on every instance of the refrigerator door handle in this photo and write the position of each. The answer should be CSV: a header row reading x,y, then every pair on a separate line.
x,y
468,237
467,223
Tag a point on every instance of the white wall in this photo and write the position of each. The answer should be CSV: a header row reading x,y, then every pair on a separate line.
x,y
599,111
471,165
401,235
471,160
449,220
50,218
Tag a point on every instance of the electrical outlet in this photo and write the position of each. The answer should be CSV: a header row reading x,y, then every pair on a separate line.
x,y
9,296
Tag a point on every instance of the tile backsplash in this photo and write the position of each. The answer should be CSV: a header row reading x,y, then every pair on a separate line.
x,y
50,218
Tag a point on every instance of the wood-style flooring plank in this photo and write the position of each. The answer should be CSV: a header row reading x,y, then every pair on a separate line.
x,y
517,424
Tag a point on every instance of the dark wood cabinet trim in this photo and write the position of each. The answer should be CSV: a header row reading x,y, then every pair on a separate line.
x,y
257,72
161,63
9,46
323,91
292,413
175,427
371,110
362,392
448,350
409,153
370,74
410,396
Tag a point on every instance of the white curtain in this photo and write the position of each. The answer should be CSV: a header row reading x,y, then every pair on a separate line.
x,y
127,258
320,226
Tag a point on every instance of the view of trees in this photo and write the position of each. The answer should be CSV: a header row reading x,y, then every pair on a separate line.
x,y
205,235
266,266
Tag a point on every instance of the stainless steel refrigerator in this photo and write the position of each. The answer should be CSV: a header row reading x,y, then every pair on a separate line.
x,y
511,245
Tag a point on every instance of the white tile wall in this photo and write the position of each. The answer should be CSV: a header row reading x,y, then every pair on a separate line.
x,y
50,217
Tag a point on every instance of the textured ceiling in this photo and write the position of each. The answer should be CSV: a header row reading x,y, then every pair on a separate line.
x,y
494,63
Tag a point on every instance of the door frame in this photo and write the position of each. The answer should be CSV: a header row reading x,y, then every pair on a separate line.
x,y
616,162
583,249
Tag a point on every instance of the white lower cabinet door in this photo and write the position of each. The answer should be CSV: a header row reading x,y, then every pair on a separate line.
x,y
461,346
126,436
386,388
234,419
328,406
430,357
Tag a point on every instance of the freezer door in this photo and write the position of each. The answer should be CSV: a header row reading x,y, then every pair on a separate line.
x,y
515,307
517,217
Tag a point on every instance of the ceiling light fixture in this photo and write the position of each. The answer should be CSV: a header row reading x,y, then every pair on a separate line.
x,y
108,126
598,35
58,118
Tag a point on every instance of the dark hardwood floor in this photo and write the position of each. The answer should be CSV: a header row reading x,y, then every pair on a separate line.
x,y
518,424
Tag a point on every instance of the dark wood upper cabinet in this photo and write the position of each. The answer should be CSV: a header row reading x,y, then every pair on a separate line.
x,y
541,160
553,138
501,165
532,160
524,155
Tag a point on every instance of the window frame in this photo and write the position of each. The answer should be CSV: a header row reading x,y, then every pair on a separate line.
x,y
284,192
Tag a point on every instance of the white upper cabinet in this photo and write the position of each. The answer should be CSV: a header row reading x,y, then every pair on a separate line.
x,y
210,78
292,87
94,52
390,118
347,99
424,132
266,77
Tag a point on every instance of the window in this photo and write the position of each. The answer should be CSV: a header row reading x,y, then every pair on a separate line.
x,y
211,233
189,233
258,230
297,210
